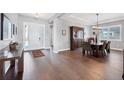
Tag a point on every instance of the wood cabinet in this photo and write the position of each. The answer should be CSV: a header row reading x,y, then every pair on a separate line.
x,y
76,37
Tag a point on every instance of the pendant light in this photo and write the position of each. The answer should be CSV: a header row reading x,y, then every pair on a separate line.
x,y
97,28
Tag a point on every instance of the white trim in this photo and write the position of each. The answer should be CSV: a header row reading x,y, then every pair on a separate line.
x,y
111,20
61,50
44,36
117,49
26,50
55,52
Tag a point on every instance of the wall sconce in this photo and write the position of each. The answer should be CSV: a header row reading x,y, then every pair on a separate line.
x,y
63,32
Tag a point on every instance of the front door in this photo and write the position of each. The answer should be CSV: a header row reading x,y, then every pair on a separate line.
x,y
35,36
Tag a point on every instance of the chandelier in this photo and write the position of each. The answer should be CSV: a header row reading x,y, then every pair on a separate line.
x,y
97,28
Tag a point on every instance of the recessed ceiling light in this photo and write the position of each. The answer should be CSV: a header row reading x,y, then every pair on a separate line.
x,y
37,15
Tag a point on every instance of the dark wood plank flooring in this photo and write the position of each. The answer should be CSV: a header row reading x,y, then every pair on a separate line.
x,y
72,65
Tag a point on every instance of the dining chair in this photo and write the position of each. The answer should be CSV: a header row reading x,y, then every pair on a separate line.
x,y
108,46
87,48
91,39
103,41
102,49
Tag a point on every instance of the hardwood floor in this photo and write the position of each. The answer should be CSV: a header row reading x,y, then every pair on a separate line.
x,y
72,65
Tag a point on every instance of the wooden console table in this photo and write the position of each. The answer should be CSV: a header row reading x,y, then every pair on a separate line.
x,y
12,56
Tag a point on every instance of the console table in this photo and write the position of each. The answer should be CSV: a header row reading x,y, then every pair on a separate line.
x,y
11,56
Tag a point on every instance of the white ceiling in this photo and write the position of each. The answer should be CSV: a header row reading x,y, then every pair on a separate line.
x,y
90,18
83,18
44,16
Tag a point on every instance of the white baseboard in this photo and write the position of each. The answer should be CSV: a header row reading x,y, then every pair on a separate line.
x,y
61,50
117,49
64,49
55,52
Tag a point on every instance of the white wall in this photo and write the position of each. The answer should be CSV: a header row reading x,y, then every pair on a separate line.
x,y
23,19
86,32
13,17
60,42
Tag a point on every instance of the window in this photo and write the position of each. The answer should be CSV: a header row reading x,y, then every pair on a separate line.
x,y
112,33
103,34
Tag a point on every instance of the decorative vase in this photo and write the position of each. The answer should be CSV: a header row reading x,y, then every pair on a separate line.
x,y
13,45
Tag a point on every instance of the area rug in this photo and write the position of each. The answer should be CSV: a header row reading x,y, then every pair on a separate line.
x,y
37,53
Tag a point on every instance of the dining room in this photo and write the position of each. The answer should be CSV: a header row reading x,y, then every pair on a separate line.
x,y
96,49
91,45
102,43
104,36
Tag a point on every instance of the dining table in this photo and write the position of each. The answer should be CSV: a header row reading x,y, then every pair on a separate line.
x,y
95,46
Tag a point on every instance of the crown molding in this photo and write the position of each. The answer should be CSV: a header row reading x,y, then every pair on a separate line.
x,y
110,20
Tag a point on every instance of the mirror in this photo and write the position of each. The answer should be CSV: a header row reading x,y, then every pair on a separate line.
x,y
7,28
80,34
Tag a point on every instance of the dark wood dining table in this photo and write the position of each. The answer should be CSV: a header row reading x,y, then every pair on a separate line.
x,y
96,46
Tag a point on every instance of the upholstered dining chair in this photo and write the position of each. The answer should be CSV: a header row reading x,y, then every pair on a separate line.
x,y
87,48
102,49
104,41
91,39
108,47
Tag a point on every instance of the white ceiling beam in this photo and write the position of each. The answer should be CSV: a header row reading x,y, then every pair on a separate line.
x,y
57,15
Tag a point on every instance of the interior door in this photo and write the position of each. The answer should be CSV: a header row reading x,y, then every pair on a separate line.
x,y
35,36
